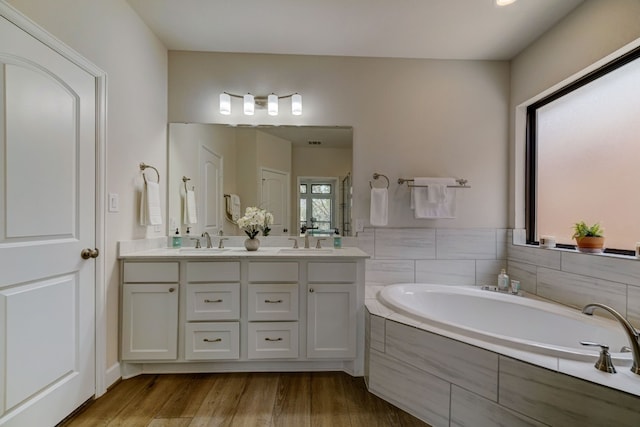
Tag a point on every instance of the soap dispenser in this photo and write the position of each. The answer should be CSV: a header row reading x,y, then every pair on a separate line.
x,y
337,240
176,240
503,281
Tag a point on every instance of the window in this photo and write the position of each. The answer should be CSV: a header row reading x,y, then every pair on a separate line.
x,y
317,205
583,153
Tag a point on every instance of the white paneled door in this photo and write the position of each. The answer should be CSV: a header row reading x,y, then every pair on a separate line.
x,y
210,214
274,197
47,219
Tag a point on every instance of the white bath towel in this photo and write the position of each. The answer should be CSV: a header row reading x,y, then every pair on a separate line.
x,y
234,202
431,198
379,214
150,210
190,209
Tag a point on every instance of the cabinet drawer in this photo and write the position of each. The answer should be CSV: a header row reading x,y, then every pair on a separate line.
x,y
273,340
213,301
273,272
273,302
332,272
150,272
213,271
219,340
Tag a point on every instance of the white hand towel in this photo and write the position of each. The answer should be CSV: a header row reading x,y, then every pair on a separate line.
x,y
432,199
235,207
150,211
190,209
379,207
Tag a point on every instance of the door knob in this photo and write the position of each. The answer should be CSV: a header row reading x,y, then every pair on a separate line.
x,y
89,253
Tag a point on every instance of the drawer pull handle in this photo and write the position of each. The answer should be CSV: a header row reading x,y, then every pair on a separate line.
x,y
213,300
216,340
172,289
268,301
273,339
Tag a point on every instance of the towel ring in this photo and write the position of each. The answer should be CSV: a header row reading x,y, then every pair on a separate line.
x,y
144,166
377,175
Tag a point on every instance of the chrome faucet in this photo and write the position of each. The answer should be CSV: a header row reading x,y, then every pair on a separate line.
x,y
632,334
206,235
306,240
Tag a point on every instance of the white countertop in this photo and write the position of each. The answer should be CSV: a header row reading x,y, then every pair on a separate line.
x,y
241,252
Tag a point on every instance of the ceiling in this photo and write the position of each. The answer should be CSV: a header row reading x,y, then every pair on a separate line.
x,y
438,29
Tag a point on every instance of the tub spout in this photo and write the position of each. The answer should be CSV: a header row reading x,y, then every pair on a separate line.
x,y
632,334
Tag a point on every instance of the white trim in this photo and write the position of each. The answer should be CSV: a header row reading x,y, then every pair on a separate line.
x,y
30,27
112,375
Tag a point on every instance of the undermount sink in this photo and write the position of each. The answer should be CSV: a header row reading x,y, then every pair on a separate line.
x,y
202,250
305,251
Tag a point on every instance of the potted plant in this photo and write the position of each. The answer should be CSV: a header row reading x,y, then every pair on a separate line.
x,y
589,239
253,221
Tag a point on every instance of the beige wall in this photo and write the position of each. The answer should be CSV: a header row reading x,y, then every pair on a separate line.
x,y
111,35
593,31
410,118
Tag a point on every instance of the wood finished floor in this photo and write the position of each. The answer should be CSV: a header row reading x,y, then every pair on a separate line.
x,y
331,399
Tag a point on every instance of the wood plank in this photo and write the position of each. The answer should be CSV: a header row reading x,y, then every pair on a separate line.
x,y
328,406
186,403
292,407
170,422
219,406
142,409
104,409
257,401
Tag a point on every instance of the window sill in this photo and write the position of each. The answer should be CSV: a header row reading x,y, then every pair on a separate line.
x,y
573,250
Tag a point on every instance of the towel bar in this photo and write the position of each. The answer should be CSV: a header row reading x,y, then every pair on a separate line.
x,y
377,175
462,183
185,179
144,166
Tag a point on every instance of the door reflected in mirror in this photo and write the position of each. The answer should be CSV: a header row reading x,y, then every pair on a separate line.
x,y
301,174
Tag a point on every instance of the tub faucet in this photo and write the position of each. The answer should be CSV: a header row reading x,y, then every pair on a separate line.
x,y
206,236
632,334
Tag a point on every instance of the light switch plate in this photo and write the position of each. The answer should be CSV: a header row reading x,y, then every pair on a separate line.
x,y
114,203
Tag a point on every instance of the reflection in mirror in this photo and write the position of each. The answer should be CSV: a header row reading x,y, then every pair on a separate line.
x,y
301,174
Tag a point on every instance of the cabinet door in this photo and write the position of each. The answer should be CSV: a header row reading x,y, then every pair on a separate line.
x,y
150,321
331,323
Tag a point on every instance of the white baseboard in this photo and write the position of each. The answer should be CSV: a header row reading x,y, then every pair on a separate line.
x,y
112,375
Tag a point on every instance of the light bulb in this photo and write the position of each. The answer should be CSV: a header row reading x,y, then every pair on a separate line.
x,y
272,105
249,104
225,104
296,104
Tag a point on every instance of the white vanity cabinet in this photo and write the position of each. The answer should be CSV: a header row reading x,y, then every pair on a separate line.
x,y
242,312
331,310
212,310
150,311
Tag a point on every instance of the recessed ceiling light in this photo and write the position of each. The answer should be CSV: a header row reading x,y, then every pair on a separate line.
x,y
504,2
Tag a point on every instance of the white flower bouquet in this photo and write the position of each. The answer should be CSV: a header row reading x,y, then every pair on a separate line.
x,y
256,220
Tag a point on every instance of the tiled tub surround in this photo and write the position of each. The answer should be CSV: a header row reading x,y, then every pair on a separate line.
x,y
446,381
434,384
430,255
576,279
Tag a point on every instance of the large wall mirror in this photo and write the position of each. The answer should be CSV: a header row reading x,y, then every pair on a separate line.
x,y
301,174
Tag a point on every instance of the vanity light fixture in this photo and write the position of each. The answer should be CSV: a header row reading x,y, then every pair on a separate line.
x,y
504,2
251,102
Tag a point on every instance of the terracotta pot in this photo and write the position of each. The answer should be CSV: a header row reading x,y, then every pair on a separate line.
x,y
590,244
252,244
